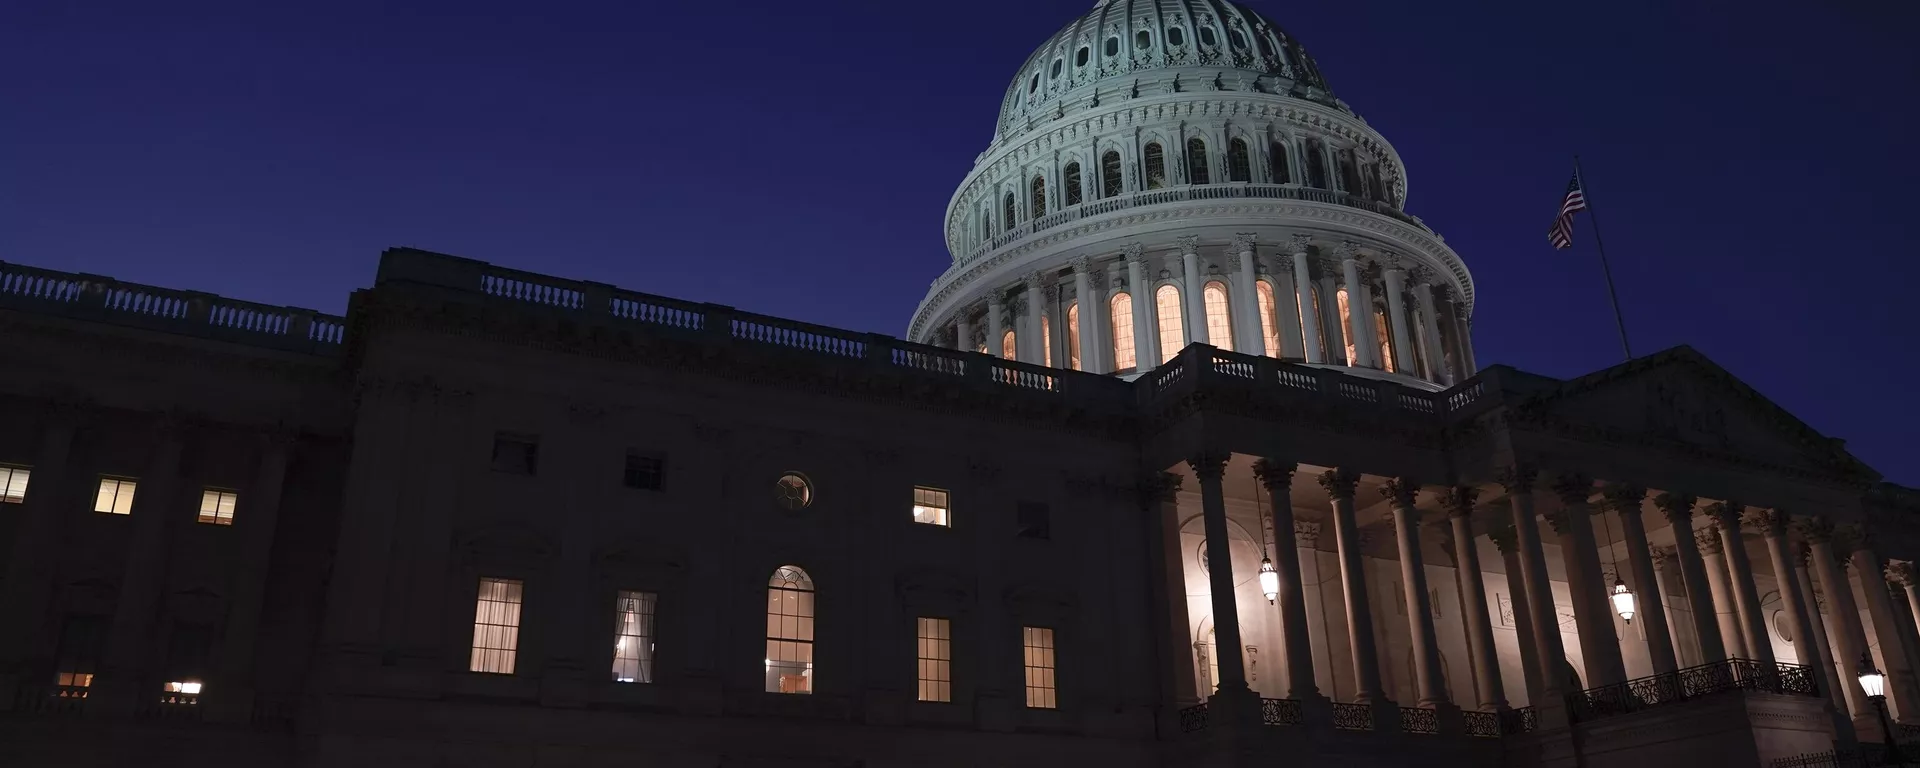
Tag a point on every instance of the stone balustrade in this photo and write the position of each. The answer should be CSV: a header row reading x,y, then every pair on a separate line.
x,y
190,313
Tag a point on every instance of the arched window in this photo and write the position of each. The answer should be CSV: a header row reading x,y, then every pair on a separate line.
x,y
1073,336
1121,308
1219,318
1113,47
1142,40
1380,332
1039,187
1070,179
790,631
1269,326
1373,183
1046,341
1196,161
1239,166
1173,334
1007,350
1080,57
1156,159
1277,159
1008,214
1316,164
1207,38
1349,174
1347,325
1319,316
1176,36
1110,174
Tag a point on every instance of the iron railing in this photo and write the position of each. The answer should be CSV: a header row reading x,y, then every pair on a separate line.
x,y
1352,717
1522,720
1418,720
1193,718
1482,724
1691,683
1279,712
1866,756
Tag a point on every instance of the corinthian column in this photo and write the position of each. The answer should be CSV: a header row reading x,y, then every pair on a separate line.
x,y
1089,312
1519,482
1277,476
1399,493
1334,335
1492,694
1286,321
1032,340
1359,311
1740,573
996,319
1726,609
1849,638
1599,647
1210,468
1196,303
1397,318
1146,326
1678,509
1901,685
1773,525
1830,682
1625,500
1430,327
1339,484
1303,290
1245,302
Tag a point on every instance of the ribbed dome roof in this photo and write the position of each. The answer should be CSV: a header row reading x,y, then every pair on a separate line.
x,y
1127,40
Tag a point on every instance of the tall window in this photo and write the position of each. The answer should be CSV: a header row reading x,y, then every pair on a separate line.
x,y
1316,164
1110,174
1042,693
932,507
1173,334
1070,177
82,639
790,631
935,656
1347,325
115,496
1387,363
216,507
1007,348
1196,161
1121,306
1378,189
1046,341
1008,214
1268,328
1349,172
1073,336
188,650
496,626
1039,189
633,636
1239,165
1219,318
1277,158
13,484
1156,162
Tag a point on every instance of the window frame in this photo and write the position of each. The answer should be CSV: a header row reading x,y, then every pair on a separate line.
x,y
946,505
645,661
1040,663
805,636
1220,325
15,479
1198,170
1130,353
232,497
514,596
933,660
131,485
1173,330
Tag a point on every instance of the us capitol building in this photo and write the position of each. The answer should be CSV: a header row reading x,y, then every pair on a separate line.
x,y
1185,460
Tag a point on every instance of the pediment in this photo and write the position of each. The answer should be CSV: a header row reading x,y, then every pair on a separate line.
x,y
1680,400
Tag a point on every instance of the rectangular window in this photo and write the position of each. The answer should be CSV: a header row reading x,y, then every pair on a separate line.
x,y
633,637
1041,693
644,471
1035,521
930,507
13,484
936,659
115,497
496,626
216,507
82,639
189,651
515,454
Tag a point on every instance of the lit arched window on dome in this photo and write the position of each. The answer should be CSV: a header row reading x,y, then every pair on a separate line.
x,y
1039,207
1007,349
1110,174
1073,336
1173,333
1219,317
1387,362
1008,214
1070,179
1156,161
1346,326
1269,329
1316,164
1277,158
1196,161
1319,317
1046,341
1121,309
1239,166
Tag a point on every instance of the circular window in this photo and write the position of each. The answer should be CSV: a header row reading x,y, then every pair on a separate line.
x,y
1207,37
1080,59
1056,69
1113,46
1175,36
793,491
1142,39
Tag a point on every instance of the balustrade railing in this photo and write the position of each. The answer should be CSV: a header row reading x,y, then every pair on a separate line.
x,y
1352,717
1419,720
1691,683
1522,720
190,313
1484,725
1193,718
1280,712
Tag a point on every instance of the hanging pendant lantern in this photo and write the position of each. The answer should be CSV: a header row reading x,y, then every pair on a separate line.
x,y
1269,580
1623,600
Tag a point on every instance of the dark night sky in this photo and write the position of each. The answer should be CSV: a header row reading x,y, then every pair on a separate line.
x,y
795,159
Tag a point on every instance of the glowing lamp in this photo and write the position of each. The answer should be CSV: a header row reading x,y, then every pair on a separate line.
x,y
1871,680
1623,600
1269,580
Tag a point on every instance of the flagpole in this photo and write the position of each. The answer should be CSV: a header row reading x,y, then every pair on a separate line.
x,y
1613,297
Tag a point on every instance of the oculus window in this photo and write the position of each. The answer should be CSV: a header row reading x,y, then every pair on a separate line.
x,y
793,491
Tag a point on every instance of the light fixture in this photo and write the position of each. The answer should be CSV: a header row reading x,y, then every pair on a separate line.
x,y
1622,600
1269,580
1871,680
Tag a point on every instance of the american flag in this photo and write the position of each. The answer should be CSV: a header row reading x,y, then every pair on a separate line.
x,y
1561,234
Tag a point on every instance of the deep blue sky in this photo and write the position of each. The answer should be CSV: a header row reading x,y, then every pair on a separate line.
x,y
1750,160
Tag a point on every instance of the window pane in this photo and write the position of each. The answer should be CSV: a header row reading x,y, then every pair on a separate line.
x,y
216,507
1046,341
1196,162
1219,318
1239,168
633,637
930,506
1110,174
13,484
115,497
1007,348
1156,162
496,626
1122,305
1039,188
1073,336
935,660
1346,325
1173,334
1269,331
790,631
1038,654
1071,178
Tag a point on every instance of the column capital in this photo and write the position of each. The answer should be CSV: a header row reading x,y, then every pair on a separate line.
x,y
1400,491
1622,497
1306,533
1850,538
1209,465
1572,487
1274,473
1505,539
1329,266
1518,478
1660,555
1900,573
1189,244
1678,507
1243,242
1803,553
1817,530
1422,275
1136,253
1300,244
1459,500
1771,522
1159,487
1034,281
1339,483
1347,250
1082,265
1707,540
1557,519
1726,513
1284,262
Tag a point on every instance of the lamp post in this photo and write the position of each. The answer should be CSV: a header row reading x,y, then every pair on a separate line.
x,y
1875,685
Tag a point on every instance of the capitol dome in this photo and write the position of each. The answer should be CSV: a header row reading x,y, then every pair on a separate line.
x,y
1181,168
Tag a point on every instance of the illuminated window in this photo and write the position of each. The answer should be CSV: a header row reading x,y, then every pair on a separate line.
x,y
188,650
1071,178
496,626
1277,158
1196,161
1156,160
793,491
82,639
1046,341
182,692
1172,332
633,637
930,506
1042,693
790,631
935,656
1039,189
1386,341
1219,318
1110,174
1346,326
1073,336
115,496
1007,348
1239,165
1122,310
216,507
13,484
1268,328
